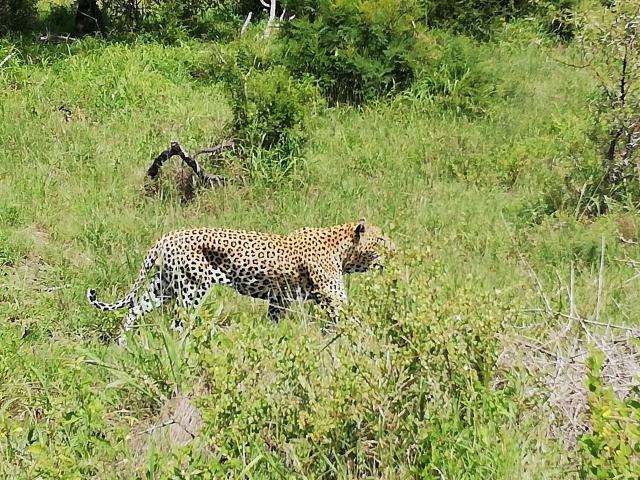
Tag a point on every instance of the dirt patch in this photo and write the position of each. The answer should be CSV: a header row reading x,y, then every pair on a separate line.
x,y
38,235
177,424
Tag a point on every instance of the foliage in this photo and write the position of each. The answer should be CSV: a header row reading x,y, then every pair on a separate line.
x,y
16,15
416,361
612,448
270,107
453,78
557,17
611,54
480,17
173,19
356,50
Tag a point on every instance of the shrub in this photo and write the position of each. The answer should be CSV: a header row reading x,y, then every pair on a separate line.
x,y
452,78
356,50
172,19
16,15
269,111
477,17
270,107
393,392
612,449
611,38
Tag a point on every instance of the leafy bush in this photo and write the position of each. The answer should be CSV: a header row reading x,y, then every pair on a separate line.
x,y
611,37
269,111
172,19
477,17
16,14
392,392
612,449
452,78
270,107
356,50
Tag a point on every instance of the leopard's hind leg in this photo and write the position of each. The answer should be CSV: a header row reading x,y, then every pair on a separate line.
x,y
192,287
157,294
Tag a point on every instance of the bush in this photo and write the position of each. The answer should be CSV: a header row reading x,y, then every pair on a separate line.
x,y
356,50
172,19
477,17
270,107
611,450
16,15
610,38
394,393
452,78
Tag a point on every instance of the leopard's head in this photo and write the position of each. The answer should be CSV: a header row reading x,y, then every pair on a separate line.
x,y
368,249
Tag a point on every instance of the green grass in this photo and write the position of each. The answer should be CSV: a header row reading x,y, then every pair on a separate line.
x,y
463,196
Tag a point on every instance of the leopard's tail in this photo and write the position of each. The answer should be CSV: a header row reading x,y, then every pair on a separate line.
x,y
147,265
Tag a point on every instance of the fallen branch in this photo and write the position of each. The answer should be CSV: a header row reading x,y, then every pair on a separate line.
x,y
217,150
53,289
51,38
156,427
6,59
176,150
246,23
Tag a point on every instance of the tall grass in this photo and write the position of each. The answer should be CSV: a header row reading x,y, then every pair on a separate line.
x,y
464,193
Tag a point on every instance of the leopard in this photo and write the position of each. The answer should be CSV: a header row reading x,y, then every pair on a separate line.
x,y
307,264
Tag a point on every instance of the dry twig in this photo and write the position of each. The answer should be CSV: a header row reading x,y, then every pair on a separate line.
x,y
6,59
52,38
175,149
246,23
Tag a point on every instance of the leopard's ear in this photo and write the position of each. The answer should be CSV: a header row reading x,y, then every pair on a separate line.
x,y
360,229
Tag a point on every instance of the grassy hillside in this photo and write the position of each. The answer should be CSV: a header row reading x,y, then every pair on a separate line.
x,y
473,198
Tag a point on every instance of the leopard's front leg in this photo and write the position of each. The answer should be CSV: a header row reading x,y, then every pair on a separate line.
x,y
328,290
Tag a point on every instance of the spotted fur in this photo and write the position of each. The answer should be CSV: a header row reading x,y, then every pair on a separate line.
x,y
306,264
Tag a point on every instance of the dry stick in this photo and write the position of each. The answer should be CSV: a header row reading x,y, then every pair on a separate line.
x,y
6,59
217,150
635,331
50,38
593,322
330,342
246,23
533,345
176,150
628,261
600,282
95,20
272,16
53,289
572,305
572,302
532,272
156,427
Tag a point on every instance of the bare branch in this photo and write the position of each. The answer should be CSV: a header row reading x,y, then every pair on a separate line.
x,y
156,427
176,150
51,38
272,16
600,281
6,59
246,23
218,149
635,331
53,289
